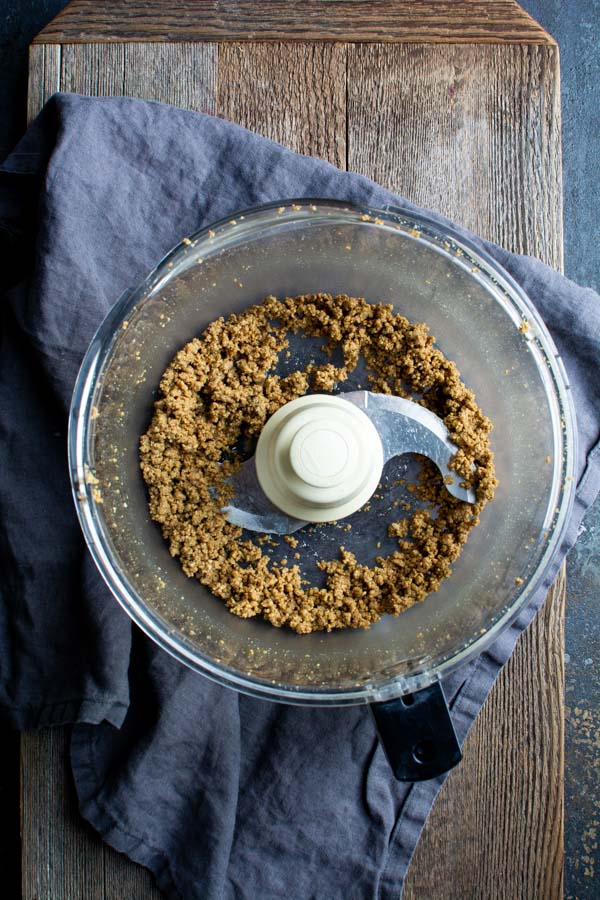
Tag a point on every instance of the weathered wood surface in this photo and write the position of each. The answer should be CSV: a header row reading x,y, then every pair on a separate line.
x,y
446,21
63,857
496,830
474,133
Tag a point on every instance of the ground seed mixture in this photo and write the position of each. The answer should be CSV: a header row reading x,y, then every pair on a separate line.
x,y
215,397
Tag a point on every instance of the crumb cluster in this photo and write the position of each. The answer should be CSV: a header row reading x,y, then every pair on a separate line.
x,y
215,397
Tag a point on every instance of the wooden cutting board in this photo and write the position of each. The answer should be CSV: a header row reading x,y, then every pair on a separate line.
x,y
454,105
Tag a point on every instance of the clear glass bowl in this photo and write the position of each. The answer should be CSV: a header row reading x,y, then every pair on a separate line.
x,y
430,274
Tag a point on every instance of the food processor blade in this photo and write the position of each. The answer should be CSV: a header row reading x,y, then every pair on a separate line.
x,y
403,426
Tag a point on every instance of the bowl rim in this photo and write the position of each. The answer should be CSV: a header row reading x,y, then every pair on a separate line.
x,y
90,514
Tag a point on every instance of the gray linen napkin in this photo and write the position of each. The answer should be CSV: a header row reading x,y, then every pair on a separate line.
x,y
220,795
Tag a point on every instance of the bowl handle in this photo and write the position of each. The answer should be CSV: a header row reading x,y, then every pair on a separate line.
x,y
417,734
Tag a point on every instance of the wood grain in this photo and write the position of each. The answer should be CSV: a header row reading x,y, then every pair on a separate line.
x,y
291,93
62,856
182,74
44,76
124,880
496,830
474,132
455,21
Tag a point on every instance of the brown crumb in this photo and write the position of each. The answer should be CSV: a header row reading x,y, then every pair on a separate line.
x,y
222,386
90,478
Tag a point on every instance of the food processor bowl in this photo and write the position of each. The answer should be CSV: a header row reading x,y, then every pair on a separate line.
x,y
481,320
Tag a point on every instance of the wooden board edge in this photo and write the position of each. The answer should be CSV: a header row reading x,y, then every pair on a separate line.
x,y
463,21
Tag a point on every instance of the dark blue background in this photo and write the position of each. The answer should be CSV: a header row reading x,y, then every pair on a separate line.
x,y
576,26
